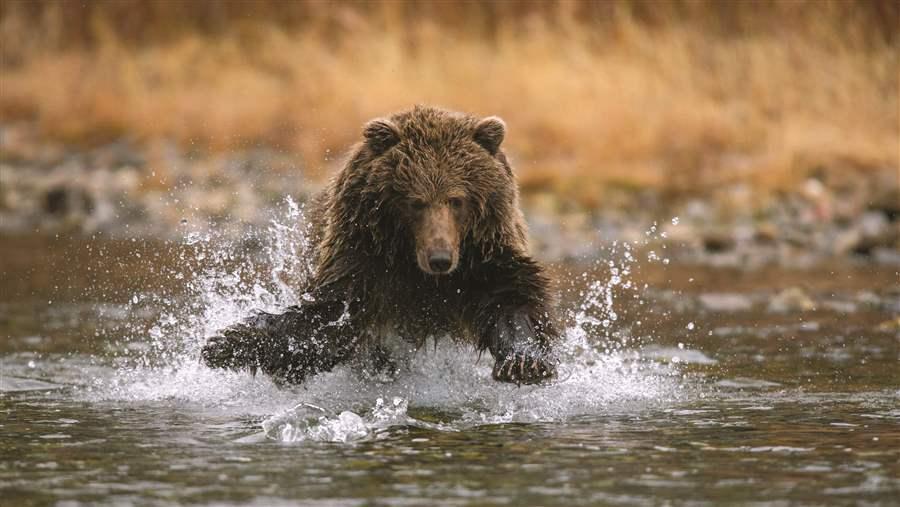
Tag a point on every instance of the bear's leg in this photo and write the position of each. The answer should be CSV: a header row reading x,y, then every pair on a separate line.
x,y
512,320
290,346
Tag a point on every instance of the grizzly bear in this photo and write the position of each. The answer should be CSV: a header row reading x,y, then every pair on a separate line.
x,y
419,235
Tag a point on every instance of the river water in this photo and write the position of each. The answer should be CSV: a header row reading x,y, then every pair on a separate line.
x,y
680,384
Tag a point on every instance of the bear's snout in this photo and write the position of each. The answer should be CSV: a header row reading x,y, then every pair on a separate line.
x,y
437,241
440,261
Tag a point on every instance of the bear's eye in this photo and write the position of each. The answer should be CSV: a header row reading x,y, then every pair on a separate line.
x,y
455,202
417,205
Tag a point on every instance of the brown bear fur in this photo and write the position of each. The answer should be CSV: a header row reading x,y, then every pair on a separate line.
x,y
420,234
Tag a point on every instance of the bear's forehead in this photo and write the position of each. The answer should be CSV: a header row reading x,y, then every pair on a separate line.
x,y
440,150
435,128
437,155
429,174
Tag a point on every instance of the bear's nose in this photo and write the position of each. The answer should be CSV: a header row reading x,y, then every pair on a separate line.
x,y
439,261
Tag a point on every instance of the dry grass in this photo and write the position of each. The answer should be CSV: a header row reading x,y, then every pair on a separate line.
x,y
617,97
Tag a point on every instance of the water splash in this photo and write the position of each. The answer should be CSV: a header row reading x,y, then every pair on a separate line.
x,y
227,279
596,315
312,422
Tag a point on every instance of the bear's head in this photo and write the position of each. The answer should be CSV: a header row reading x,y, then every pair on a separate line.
x,y
432,187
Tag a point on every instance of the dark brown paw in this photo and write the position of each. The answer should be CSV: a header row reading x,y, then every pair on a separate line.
x,y
231,350
523,369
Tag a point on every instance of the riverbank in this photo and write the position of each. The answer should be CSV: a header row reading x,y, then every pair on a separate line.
x,y
121,189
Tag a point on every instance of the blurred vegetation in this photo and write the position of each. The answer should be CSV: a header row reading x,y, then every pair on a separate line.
x,y
683,94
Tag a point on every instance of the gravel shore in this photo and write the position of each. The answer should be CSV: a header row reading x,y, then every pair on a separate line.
x,y
122,190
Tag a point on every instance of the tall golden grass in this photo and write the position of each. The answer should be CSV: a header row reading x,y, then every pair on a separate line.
x,y
682,94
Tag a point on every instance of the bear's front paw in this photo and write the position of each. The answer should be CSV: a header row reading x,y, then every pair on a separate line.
x,y
521,350
523,369
232,349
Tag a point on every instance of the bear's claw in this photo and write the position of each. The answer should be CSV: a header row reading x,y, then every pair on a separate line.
x,y
523,369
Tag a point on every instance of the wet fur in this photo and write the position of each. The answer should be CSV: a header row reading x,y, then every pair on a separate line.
x,y
367,282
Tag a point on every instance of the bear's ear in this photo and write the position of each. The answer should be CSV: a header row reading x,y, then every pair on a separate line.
x,y
381,134
489,133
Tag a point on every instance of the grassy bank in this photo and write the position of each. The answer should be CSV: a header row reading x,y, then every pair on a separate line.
x,y
681,95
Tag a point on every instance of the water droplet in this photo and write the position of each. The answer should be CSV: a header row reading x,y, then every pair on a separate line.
x,y
690,325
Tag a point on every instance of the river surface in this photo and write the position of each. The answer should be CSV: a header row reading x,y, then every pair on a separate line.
x,y
680,384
